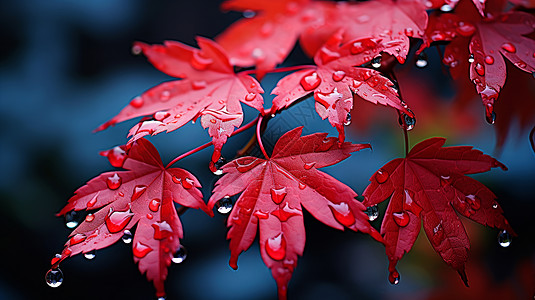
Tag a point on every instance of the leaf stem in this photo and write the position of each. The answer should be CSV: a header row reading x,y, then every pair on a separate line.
x,y
239,130
259,138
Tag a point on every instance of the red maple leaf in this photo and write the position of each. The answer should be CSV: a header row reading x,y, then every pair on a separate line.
x,y
494,38
143,195
209,89
430,186
267,38
334,81
392,22
274,192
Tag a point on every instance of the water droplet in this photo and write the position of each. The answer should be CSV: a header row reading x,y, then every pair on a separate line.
x,y
90,255
72,219
258,55
406,120
471,58
342,213
504,238
489,60
401,218
494,205
116,221
55,259
276,247
77,239
165,95
114,182
310,82
137,102
218,165
188,183
266,29
443,8
138,191
410,205
154,204
381,176
283,214
250,97
362,45
421,60
309,165
162,230
466,29
347,121
376,62
149,216
372,212
393,277
480,70
141,250
409,32
136,50
245,164
89,218
509,47
180,255
92,202
260,214
277,195
339,75
54,277
302,186
199,62
248,13
224,206
127,237
116,156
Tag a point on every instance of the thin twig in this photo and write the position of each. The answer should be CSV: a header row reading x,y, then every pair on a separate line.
x,y
259,138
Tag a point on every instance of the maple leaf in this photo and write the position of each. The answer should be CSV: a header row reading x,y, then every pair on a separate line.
x,y
392,22
501,35
209,89
274,192
143,195
429,186
266,39
334,80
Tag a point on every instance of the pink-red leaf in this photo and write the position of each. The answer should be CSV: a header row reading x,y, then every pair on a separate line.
x,y
494,38
209,89
335,79
144,195
274,191
430,186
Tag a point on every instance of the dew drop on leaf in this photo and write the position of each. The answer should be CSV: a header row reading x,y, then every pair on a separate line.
x,y
141,250
136,50
154,204
89,218
309,165
54,277
90,255
494,205
114,182
248,13
381,176
489,60
72,219
376,62
401,218
276,247
445,8
372,212
187,183
77,239
224,206
180,255
480,70
342,213
393,277
218,171
310,82
92,202
509,47
138,191
471,58
421,60
504,238
406,120
127,237
278,195
116,156
347,121
137,102
339,75
117,220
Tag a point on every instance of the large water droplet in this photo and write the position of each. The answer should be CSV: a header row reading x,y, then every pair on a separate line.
x,y
72,219
489,60
114,182
381,176
406,120
283,214
54,277
491,118
276,247
218,165
342,213
116,156
480,70
372,212
188,183
141,250
127,237
154,204
277,195
138,191
421,60
180,255
90,255
376,62
310,82
401,218
137,102
224,206
509,47
116,221
393,277
339,75
504,238
162,230
77,239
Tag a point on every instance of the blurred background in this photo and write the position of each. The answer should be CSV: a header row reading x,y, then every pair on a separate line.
x,y
66,67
